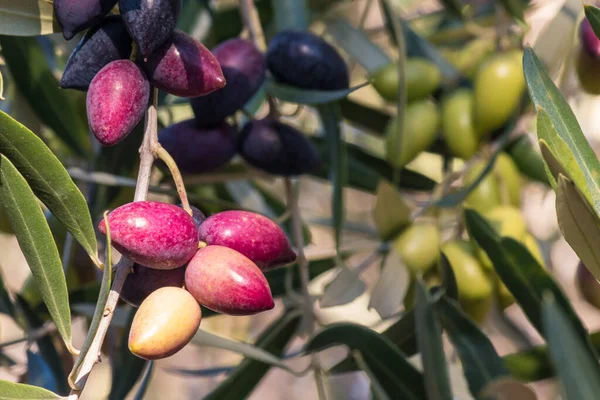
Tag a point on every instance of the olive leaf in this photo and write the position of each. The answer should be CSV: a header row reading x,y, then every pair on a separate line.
x,y
307,96
391,213
27,18
11,390
291,14
391,288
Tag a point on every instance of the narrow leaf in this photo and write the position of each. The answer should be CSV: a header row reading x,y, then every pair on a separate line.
x,y
527,159
10,391
344,288
515,8
27,18
377,388
391,288
577,368
35,239
373,119
141,392
292,94
291,14
6,305
49,180
429,339
592,13
481,363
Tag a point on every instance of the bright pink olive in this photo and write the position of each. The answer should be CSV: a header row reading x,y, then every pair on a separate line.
x,y
116,101
156,235
227,282
253,235
589,40
184,67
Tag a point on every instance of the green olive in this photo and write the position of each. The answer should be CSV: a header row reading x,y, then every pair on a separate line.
x,y
457,124
418,246
422,78
587,72
478,309
499,85
468,58
509,179
486,195
534,248
421,122
508,222
504,296
471,279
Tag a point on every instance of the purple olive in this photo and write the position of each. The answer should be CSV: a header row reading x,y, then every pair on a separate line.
x,y
106,42
227,282
150,22
142,281
243,67
77,15
156,235
183,67
197,150
251,234
304,60
277,148
589,40
116,101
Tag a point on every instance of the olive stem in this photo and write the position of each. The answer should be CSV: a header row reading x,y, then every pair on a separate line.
x,y
252,23
92,356
164,155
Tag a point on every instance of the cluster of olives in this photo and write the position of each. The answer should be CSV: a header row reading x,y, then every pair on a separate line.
x,y
182,261
466,116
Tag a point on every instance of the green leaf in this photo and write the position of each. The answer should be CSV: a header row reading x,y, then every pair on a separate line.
x,y
141,392
291,14
358,45
524,277
292,94
375,120
592,13
35,239
240,383
49,180
576,366
448,279
6,305
514,8
276,277
345,287
578,224
338,167
376,387
454,7
391,288
55,107
393,371
480,362
27,18
429,339
546,96
391,213
204,338
529,161
10,390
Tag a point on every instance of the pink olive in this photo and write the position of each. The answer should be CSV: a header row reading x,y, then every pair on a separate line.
x,y
589,40
253,235
227,282
156,235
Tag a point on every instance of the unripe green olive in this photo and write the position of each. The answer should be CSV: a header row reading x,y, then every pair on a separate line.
x,y
421,122
509,179
468,58
499,85
457,124
418,246
508,222
486,195
471,279
422,78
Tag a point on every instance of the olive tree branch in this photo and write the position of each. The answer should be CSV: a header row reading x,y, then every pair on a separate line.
x,y
86,361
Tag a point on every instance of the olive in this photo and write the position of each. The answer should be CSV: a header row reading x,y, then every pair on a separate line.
x,y
418,246
457,124
422,79
509,179
499,84
534,248
486,195
588,58
421,122
588,285
469,57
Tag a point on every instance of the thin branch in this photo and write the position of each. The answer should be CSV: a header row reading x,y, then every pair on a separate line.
x,y
32,336
172,165
252,23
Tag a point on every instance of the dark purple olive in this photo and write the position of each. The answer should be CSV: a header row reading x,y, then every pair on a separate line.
x,y
106,42
589,40
183,67
143,280
277,148
196,149
150,22
243,67
116,101
306,61
77,15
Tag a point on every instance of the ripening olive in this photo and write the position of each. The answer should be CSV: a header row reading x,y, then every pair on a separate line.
x,y
509,179
421,122
499,85
418,246
588,58
422,78
486,195
457,124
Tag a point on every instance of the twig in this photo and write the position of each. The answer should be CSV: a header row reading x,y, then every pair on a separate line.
x,y
252,23
172,165
32,336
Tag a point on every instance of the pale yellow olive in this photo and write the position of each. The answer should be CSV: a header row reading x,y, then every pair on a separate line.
x,y
499,84
457,124
421,123
418,246
508,222
422,78
486,195
509,179
472,281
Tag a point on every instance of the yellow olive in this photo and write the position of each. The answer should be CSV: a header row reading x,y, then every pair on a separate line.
x,y
468,58
486,195
509,179
457,124
478,309
165,322
471,279
418,246
421,122
499,84
508,222
422,78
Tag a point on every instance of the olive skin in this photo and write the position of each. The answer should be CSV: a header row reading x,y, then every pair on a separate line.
x,y
486,195
457,124
421,123
142,282
498,86
534,248
106,42
306,61
277,148
469,57
589,41
77,15
588,286
422,79
418,247
244,68
509,179
587,60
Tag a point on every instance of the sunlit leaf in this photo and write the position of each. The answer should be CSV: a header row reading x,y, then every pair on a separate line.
x,y
306,96
345,287
27,18
10,391
391,288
